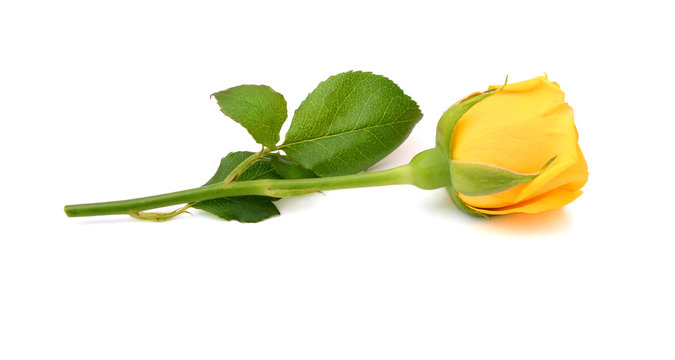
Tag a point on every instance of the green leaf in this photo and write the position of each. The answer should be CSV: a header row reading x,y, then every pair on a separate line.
x,y
242,208
350,122
246,209
261,169
478,179
258,108
289,169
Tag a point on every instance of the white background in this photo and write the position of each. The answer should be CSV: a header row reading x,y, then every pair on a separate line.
x,y
110,100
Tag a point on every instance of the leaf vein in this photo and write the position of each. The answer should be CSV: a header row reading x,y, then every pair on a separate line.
x,y
347,132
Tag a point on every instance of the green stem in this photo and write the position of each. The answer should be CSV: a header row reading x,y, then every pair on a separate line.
x,y
160,216
428,170
234,174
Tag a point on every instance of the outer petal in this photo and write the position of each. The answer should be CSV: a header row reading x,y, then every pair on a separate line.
x,y
519,128
553,199
570,176
520,193
577,176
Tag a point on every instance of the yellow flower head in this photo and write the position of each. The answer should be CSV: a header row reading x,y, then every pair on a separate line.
x,y
518,140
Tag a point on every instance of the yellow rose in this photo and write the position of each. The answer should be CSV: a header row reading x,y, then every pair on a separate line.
x,y
513,148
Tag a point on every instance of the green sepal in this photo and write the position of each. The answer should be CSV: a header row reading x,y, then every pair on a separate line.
x,y
444,130
478,179
461,205
258,108
447,123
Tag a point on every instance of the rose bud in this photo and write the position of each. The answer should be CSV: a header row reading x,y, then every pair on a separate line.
x,y
513,148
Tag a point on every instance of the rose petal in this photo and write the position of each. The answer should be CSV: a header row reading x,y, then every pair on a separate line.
x,y
553,199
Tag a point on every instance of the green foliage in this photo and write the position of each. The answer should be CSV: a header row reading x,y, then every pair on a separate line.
x,y
242,208
246,209
258,108
347,124
262,169
350,122
289,169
